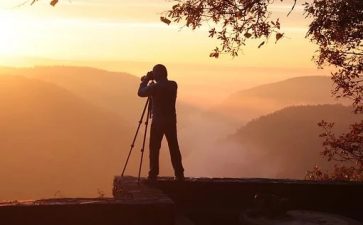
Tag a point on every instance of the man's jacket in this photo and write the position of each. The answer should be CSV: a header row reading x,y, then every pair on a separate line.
x,y
163,96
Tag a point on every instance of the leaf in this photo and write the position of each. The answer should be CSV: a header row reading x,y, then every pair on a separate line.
x,y
53,2
279,36
214,55
212,32
262,43
165,20
277,24
247,35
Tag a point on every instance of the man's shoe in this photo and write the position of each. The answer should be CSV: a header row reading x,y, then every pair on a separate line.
x,y
180,178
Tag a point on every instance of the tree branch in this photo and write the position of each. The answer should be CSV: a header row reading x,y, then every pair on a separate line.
x,y
293,7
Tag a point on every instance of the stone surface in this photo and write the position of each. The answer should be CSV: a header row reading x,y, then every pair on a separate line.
x,y
140,205
198,201
128,188
220,200
300,217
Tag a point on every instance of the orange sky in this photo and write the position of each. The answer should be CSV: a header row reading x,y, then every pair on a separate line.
x,y
111,34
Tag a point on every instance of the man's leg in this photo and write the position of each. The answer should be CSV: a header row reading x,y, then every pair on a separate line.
x,y
156,136
176,159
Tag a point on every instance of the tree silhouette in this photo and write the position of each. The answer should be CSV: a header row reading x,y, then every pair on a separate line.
x,y
347,149
231,21
337,28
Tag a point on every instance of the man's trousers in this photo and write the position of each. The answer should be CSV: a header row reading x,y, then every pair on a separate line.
x,y
159,128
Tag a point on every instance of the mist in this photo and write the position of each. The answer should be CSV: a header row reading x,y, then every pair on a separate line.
x,y
283,144
66,131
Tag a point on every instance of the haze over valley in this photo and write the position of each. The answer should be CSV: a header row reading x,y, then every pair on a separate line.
x,y
66,130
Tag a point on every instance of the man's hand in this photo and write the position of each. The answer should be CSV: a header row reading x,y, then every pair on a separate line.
x,y
148,77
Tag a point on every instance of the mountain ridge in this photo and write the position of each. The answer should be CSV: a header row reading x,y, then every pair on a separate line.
x,y
289,138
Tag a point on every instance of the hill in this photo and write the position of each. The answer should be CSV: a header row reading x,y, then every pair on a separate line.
x,y
115,92
52,140
251,103
309,89
112,91
283,144
78,111
76,124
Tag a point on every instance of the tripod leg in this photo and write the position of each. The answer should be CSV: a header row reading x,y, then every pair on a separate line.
x,y
134,140
143,143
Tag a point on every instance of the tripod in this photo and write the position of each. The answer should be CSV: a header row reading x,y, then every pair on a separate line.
x,y
148,116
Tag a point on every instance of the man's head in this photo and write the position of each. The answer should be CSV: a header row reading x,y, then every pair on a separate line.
x,y
160,72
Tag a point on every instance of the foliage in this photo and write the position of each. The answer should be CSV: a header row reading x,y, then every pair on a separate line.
x,y
232,22
337,28
347,149
339,173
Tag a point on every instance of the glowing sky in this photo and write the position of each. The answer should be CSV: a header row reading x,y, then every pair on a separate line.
x,y
105,33
130,30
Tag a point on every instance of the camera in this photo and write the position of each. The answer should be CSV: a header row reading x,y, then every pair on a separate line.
x,y
149,76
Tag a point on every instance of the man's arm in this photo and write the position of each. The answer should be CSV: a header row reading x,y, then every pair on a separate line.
x,y
145,90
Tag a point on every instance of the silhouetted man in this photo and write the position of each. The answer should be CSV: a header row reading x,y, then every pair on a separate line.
x,y
163,97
